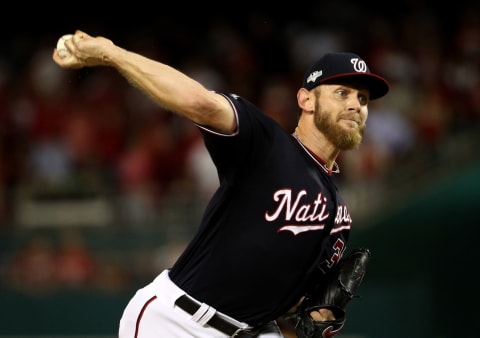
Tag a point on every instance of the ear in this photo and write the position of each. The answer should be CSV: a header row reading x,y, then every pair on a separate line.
x,y
305,100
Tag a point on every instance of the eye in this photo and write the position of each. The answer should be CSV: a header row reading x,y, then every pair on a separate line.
x,y
363,99
341,93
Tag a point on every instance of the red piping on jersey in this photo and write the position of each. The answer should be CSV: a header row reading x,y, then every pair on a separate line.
x,y
321,163
139,318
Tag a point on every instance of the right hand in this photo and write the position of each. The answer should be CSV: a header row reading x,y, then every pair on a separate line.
x,y
85,51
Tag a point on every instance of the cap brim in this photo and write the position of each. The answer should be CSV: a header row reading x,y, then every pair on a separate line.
x,y
376,85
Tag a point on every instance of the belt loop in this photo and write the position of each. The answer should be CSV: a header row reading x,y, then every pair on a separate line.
x,y
207,315
203,314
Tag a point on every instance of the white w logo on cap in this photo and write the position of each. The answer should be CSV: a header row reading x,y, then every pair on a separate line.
x,y
359,65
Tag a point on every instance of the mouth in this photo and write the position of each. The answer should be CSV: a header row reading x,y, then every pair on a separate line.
x,y
352,123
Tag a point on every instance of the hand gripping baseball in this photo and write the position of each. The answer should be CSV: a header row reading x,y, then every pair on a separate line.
x,y
82,50
334,294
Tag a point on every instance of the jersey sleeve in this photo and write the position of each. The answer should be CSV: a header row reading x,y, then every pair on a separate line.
x,y
232,152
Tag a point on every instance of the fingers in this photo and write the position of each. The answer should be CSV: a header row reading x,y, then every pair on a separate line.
x,y
71,60
79,35
322,315
72,43
84,51
67,62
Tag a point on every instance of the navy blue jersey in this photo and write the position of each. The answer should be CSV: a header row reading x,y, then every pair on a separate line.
x,y
276,222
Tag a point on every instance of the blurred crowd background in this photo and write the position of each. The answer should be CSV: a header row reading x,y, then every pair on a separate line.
x,y
100,188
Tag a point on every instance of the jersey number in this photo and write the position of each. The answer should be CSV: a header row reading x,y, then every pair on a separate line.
x,y
338,249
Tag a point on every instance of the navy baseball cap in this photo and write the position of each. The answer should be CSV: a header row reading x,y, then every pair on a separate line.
x,y
345,67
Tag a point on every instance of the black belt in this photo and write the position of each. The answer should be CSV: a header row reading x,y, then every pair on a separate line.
x,y
190,306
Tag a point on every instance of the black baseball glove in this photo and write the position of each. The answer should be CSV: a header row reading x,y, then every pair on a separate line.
x,y
334,294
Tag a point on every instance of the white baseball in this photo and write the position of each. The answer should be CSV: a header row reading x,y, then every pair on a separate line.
x,y
61,49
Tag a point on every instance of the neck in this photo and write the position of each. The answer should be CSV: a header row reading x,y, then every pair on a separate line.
x,y
316,142
330,167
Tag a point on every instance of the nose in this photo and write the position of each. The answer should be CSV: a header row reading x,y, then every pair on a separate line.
x,y
355,103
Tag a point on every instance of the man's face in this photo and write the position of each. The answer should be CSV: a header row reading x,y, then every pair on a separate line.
x,y
341,113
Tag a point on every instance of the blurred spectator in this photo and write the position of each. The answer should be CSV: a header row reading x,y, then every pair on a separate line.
x,y
114,271
277,100
75,265
33,267
202,173
432,117
140,171
235,58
